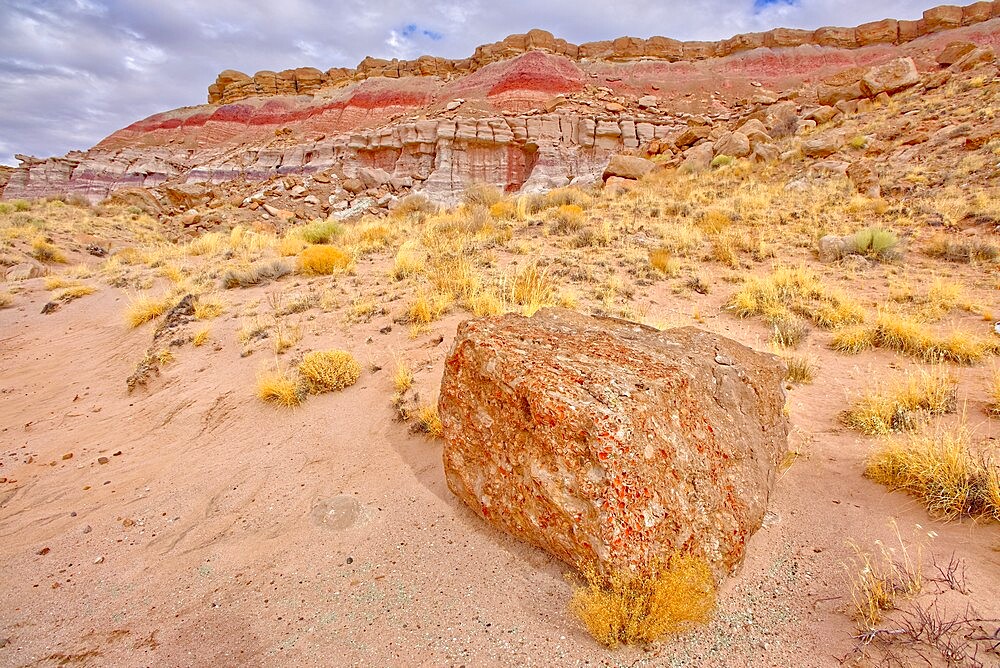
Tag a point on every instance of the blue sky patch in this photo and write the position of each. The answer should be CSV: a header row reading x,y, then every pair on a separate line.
x,y
412,29
761,4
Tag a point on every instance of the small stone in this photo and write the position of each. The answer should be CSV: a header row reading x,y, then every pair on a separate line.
x,y
99,560
350,560
43,551
614,107
103,460
68,455
87,529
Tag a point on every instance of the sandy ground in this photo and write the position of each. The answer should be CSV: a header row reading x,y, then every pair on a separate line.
x,y
222,531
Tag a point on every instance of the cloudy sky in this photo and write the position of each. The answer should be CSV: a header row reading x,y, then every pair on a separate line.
x,y
73,71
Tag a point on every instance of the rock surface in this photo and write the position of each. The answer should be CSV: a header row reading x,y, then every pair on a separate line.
x,y
607,442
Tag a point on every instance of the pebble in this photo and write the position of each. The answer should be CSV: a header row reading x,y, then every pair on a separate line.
x,y
99,560
87,529
103,460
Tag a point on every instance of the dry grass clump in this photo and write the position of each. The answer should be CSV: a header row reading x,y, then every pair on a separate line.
x,y
72,292
965,250
800,370
207,244
567,218
201,337
286,335
428,306
414,204
143,308
324,259
319,231
290,244
897,332
402,378
533,289
207,307
482,194
6,299
565,197
792,291
876,243
368,236
682,239
45,251
410,259
429,421
254,274
505,209
280,386
663,261
906,405
992,392
328,370
624,607
943,469
878,580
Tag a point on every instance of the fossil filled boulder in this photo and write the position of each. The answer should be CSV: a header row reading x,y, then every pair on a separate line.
x,y
610,443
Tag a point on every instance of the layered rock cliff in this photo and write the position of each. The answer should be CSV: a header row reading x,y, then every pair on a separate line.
x,y
528,113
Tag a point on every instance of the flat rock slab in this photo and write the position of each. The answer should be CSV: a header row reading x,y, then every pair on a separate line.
x,y
610,443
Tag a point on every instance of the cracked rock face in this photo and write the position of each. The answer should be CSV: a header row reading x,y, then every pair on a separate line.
x,y
609,443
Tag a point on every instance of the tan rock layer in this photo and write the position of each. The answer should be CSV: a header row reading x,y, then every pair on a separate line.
x,y
231,86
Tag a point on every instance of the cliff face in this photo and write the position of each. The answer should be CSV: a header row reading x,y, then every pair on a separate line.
x,y
528,113
232,86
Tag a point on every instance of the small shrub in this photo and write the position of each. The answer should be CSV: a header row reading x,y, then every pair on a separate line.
x,y
369,236
482,194
320,231
44,251
722,161
943,470
254,274
290,244
682,239
858,142
6,299
329,370
668,597
566,197
876,243
896,332
948,247
414,203
505,209
800,370
143,308
324,260
906,405
796,291
788,331
992,393
285,336
281,387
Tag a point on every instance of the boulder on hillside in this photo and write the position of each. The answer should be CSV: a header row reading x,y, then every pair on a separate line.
x,y
890,77
697,158
974,58
627,167
609,443
821,146
735,144
954,52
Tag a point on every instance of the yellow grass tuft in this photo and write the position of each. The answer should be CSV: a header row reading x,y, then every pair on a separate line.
x,y
279,386
992,392
944,470
798,291
533,289
367,237
428,306
329,370
44,251
879,579
429,420
285,336
72,292
662,260
6,299
318,231
402,378
201,337
911,337
671,596
207,307
143,308
567,218
290,244
906,405
410,259
323,259
800,370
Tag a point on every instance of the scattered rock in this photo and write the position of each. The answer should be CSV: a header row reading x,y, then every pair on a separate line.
x,y
582,435
735,144
454,104
954,52
890,77
25,271
864,179
833,247
821,146
697,158
973,59
627,167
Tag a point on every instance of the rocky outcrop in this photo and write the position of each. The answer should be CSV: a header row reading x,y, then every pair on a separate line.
x,y
609,443
232,86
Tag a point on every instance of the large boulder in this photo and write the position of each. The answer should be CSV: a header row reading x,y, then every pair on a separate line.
x,y
890,77
627,167
610,443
